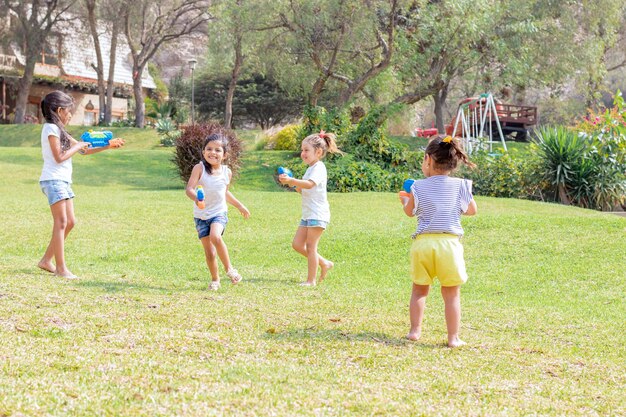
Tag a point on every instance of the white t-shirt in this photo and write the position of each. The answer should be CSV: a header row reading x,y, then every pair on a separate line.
x,y
314,200
52,170
214,193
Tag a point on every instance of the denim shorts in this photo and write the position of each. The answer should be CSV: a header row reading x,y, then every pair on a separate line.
x,y
313,223
204,226
56,190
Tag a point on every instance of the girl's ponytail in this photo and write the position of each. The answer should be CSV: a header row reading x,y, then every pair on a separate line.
x,y
447,152
331,142
327,142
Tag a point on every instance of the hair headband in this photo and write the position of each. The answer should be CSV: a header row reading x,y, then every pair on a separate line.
x,y
322,134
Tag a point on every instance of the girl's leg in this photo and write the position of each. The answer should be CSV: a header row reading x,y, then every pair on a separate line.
x,y
220,246
63,222
417,305
57,210
299,244
211,258
452,301
313,236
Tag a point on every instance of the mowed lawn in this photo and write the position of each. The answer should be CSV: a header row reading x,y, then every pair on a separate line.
x,y
140,334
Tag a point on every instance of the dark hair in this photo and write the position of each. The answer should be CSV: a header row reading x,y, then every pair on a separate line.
x,y
446,152
213,137
50,106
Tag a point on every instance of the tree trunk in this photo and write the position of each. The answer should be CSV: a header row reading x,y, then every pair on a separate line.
x,y
112,57
138,93
563,196
316,91
91,16
24,84
228,111
440,102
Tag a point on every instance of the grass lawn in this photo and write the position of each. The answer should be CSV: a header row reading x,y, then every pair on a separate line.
x,y
139,334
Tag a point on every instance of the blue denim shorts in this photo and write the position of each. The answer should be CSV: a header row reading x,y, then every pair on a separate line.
x,y
313,223
56,190
204,226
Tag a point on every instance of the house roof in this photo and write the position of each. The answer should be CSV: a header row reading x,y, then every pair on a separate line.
x,y
78,55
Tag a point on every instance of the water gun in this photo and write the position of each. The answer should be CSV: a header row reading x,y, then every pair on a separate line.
x,y
200,197
99,139
283,170
286,171
406,188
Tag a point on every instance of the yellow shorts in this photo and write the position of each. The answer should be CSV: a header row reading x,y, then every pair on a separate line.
x,y
437,256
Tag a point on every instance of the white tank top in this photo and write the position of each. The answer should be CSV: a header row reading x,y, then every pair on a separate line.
x,y
214,193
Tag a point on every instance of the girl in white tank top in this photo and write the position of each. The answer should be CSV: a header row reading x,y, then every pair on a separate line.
x,y
210,214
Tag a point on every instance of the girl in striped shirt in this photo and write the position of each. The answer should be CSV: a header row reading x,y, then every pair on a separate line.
x,y
438,201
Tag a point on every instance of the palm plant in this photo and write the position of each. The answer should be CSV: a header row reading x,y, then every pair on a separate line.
x,y
562,152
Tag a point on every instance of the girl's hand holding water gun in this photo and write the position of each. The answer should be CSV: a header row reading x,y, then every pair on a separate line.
x,y
116,143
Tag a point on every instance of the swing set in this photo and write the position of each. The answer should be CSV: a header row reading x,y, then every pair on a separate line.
x,y
475,122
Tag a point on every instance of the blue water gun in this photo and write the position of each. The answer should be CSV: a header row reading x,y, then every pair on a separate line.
x,y
97,139
283,170
406,187
286,171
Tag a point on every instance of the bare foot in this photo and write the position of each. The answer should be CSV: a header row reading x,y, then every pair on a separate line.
x,y
308,284
324,268
414,335
47,266
66,275
455,343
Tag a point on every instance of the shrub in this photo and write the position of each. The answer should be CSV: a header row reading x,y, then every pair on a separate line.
x,y
586,169
168,131
347,174
287,138
561,151
505,176
317,118
189,148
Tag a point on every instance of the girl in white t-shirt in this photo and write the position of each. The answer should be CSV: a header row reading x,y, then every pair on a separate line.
x,y
315,209
58,147
210,215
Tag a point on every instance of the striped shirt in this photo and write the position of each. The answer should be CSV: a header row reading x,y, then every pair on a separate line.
x,y
439,202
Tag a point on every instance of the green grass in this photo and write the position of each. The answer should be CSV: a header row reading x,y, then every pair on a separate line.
x,y
139,334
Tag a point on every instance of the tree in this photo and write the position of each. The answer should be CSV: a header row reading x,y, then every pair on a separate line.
x,y
346,41
36,20
257,99
108,15
235,39
485,44
148,26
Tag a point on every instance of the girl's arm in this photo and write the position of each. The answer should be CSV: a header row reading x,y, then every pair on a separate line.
x,y
408,204
61,156
190,190
89,151
232,200
472,208
299,184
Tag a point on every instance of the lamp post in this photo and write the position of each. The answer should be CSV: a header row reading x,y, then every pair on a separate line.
x,y
192,66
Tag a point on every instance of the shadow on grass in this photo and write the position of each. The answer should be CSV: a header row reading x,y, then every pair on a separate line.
x,y
337,334
113,287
